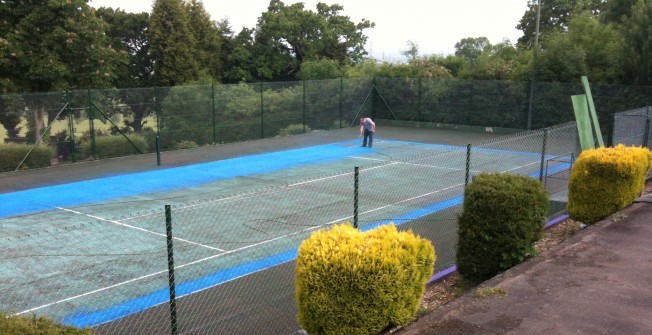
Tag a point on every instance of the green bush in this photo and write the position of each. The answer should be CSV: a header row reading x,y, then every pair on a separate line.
x,y
185,144
32,325
606,180
293,129
12,154
351,282
114,146
503,216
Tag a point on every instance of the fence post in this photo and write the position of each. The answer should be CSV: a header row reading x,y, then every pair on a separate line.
x,y
71,128
610,140
304,106
213,113
172,284
158,127
647,131
468,165
543,153
91,124
356,178
419,97
262,119
341,96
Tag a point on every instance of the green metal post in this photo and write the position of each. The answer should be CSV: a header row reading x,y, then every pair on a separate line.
x,y
356,174
304,106
91,125
171,281
419,101
213,113
647,131
341,96
468,165
71,128
158,127
373,98
262,119
543,153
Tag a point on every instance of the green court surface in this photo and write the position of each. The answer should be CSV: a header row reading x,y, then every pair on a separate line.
x,y
94,260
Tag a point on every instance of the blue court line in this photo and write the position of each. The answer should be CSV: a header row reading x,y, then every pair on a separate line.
x,y
90,319
108,188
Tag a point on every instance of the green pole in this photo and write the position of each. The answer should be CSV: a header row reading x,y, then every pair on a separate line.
x,y
71,128
171,281
468,165
304,106
341,97
91,125
543,153
213,112
419,101
158,127
356,178
262,119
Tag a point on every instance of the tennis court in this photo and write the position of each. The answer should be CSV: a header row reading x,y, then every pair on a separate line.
x,y
94,251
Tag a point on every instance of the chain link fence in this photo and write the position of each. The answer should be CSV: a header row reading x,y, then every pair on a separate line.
x,y
65,127
228,262
632,127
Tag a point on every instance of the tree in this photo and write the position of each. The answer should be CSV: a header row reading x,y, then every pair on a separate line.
x,y
588,48
470,48
128,32
55,45
412,51
237,54
172,44
637,37
555,16
287,35
208,37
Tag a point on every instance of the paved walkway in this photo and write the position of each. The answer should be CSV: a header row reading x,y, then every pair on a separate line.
x,y
599,281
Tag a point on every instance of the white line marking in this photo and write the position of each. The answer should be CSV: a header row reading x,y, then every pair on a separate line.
x,y
230,251
138,228
415,164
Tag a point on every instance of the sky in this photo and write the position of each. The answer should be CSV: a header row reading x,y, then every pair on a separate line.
x,y
434,25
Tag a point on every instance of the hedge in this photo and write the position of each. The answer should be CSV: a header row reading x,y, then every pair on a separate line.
x,y
11,154
114,146
354,283
605,180
33,325
503,215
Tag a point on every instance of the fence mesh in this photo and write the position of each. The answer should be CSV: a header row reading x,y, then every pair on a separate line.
x,y
95,124
234,255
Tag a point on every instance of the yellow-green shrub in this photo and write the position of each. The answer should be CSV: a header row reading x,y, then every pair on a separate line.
x,y
32,325
605,180
351,282
12,154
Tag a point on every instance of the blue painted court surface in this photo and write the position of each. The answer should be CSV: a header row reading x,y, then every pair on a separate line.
x,y
49,230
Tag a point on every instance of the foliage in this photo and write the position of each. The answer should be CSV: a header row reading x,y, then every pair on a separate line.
x,y
127,32
503,217
54,45
286,35
605,180
208,37
172,44
352,282
114,146
293,129
185,144
12,154
319,69
555,16
637,36
588,48
33,325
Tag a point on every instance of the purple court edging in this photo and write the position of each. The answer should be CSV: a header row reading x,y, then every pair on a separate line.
x,y
451,269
